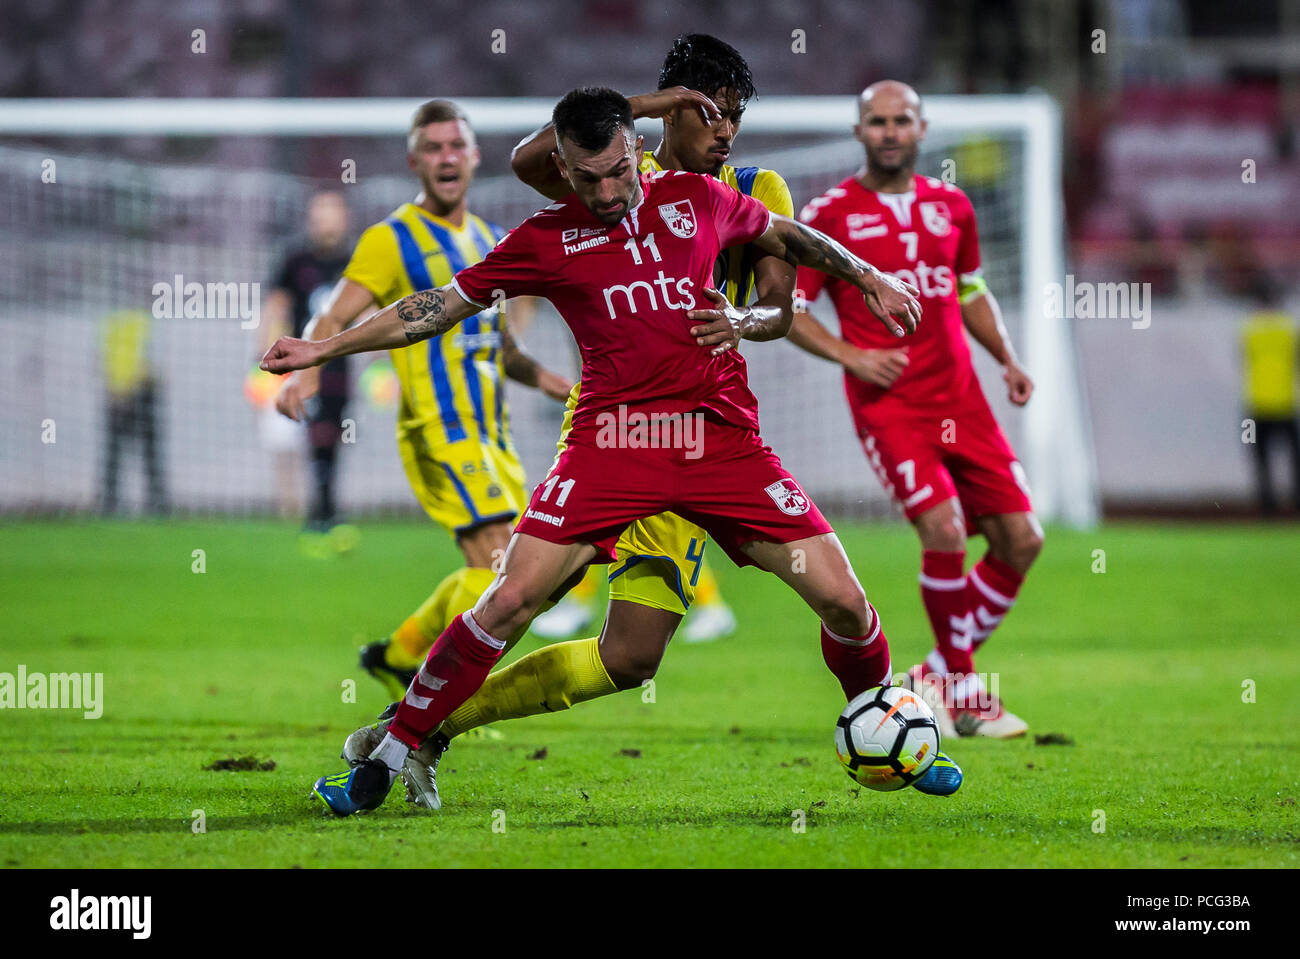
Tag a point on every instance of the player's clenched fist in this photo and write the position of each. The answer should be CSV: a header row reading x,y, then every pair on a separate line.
x,y
288,354
888,298
1019,385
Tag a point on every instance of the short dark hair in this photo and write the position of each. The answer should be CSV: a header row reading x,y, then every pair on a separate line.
x,y
704,63
591,117
435,111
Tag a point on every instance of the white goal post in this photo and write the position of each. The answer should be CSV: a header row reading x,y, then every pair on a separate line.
x,y
1055,441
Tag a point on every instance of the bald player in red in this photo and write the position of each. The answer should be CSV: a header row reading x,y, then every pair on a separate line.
x,y
917,404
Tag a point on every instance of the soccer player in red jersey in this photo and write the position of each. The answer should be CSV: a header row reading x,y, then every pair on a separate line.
x,y
918,407
626,260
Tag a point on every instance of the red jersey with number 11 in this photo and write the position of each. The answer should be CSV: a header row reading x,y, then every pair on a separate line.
x,y
624,291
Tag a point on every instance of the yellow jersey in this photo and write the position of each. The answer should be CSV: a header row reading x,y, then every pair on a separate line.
x,y
1270,352
126,339
735,267
452,385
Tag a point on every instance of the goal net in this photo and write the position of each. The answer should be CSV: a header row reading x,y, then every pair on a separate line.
x,y
119,268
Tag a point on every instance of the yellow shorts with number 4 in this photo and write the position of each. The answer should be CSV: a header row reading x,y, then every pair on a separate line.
x,y
658,563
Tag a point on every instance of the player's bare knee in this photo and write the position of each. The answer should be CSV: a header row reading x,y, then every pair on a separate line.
x,y
1021,547
945,535
847,612
628,669
1026,547
507,609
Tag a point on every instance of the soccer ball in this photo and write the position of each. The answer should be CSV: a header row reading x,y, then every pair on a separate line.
x,y
887,738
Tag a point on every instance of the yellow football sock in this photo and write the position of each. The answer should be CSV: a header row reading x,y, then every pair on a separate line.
x,y
706,588
411,641
455,594
473,581
546,680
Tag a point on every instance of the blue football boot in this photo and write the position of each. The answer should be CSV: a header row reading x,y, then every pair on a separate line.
x,y
360,789
943,778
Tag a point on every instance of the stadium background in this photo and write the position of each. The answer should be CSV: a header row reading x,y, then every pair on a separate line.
x,y
1164,690
1156,130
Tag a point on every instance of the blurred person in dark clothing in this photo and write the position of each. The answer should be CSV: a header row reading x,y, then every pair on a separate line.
x,y
301,286
131,405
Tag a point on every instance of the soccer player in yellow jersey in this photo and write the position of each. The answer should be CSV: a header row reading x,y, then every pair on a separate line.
x,y
659,567
453,425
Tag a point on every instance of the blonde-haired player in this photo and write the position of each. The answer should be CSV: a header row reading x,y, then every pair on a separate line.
x,y
453,424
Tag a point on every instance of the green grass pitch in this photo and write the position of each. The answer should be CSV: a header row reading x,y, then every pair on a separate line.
x,y
1146,667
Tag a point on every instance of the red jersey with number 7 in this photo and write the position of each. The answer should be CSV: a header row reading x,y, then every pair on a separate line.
x,y
624,291
926,237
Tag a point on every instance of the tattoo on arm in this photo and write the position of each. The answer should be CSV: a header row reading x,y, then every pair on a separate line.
x,y
423,314
519,366
805,246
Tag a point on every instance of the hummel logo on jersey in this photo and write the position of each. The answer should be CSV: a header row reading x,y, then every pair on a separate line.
x,y
679,217
788,497
578,239
869,232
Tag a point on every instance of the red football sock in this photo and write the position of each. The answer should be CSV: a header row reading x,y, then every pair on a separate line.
x,y
943,592
858,662
990,593
452,672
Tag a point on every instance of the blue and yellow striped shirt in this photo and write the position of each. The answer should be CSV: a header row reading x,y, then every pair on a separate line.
x,y
452,385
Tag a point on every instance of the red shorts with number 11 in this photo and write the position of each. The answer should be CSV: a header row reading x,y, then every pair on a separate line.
x,y
726,480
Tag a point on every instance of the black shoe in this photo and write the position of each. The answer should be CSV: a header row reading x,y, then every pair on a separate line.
x,y
396,681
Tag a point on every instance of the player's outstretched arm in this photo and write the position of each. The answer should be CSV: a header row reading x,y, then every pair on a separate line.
x,y
886,296
531,158
983,317
411,319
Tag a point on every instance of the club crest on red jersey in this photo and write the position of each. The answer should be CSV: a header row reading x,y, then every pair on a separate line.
x,y
935,216
679,217
788,497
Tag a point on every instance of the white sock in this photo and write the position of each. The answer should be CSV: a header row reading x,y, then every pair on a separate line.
x,y
392,753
